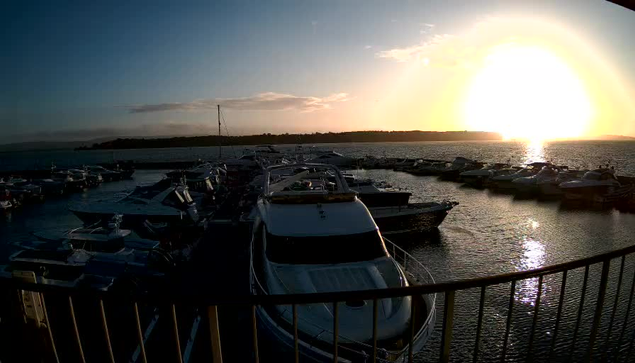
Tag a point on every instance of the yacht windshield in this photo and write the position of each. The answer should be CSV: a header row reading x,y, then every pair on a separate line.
x,y
325,249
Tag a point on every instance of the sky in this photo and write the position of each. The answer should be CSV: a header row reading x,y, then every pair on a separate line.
x,y
78,70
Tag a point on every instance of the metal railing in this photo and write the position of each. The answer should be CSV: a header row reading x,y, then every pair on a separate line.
x,y
607,331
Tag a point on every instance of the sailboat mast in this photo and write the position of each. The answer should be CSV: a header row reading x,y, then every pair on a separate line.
x,y
220,142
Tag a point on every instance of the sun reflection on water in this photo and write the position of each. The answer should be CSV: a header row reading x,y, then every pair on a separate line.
x,y
533,256
534,151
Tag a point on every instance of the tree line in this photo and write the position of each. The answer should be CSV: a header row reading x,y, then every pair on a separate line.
x,y
314,138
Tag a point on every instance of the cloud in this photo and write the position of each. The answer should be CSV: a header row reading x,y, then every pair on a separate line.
x,y
466,49
416,52
368,46
269,101
427,28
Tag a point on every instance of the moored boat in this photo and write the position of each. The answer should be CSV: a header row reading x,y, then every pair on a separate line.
x,y
333,158
506,181
458,165
374,194
162,202
411,218
332,245
597,186
482,177
531,184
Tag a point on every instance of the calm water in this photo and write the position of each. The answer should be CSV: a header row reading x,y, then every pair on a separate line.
x,y
487,233
585,154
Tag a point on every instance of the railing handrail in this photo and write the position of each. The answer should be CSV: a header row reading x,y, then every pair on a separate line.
x,y
198,298
406,255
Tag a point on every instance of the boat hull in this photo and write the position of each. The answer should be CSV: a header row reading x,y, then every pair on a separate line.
x,y
383,199
504,184
411,219
598,195
478,181
129,221
550,189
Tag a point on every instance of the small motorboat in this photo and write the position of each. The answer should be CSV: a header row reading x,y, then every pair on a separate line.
x,y
551,186
70,184
312,236
201,178
267,151
459,165
374,194
93,178
333,158
61,264
163,202
23,190
102,237
531,184
506,181
106,174
597,186
405,164
480,178
427,168
51,187
411,218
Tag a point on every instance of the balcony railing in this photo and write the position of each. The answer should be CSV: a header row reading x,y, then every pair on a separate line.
x,y
594,303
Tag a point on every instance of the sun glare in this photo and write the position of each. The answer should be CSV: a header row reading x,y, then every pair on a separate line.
x,y
527,92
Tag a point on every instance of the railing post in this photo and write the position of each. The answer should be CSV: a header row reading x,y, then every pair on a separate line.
x,y
375,309
336,329
580,310
405,260
76,330
448,322
214,332
142,346
48,328
479,324
510,311
412,333
628,312
296,348
535,320
598,308
104,324
618,289
563,286
254,328
175,333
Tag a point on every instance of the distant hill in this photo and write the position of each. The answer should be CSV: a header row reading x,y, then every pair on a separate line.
x,y
43,145
315,138
57,145
615,137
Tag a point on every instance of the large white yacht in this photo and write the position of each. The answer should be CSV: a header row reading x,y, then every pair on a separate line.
x,y
312,235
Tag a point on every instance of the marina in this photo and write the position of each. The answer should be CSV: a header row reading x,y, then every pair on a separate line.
x,y
429,228
311,182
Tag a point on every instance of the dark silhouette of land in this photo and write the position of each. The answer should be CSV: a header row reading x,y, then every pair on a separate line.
x,y
315,138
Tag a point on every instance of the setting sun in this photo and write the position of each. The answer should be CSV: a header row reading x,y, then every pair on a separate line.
x,y
527,92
